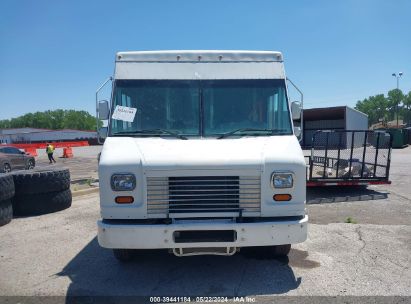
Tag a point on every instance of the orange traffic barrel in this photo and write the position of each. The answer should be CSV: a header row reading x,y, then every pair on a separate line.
x,y
67,152
31,151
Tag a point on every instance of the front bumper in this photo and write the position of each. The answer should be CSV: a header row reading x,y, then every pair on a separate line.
x,y
142,236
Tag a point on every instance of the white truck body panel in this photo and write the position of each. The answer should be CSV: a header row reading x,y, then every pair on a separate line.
x,y
200,157
188,70
161,236
199,55
232,65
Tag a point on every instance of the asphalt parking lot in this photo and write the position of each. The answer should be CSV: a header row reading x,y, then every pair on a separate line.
x,y
82,166
58,254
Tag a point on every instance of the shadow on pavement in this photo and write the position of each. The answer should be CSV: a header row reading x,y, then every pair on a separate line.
x,y
95,272
331,194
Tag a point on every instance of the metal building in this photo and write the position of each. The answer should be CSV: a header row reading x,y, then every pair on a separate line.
x,y
332,118
33,135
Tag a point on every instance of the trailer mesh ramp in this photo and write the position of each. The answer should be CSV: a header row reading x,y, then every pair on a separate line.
x,y
350,156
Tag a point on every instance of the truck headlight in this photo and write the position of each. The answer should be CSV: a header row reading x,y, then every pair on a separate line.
x,y
282,180
123,182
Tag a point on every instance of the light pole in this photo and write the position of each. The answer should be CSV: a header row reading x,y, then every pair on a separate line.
x,y
398,86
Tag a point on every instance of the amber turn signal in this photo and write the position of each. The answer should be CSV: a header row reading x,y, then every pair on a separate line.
x,y
124,199
282,197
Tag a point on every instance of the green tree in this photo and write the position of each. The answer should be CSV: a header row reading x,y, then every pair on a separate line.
x,y
80,120
380,107
395,97
374,106
55,120
407,108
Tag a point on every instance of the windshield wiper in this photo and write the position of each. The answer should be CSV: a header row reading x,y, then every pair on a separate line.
x,y
247,131
151,132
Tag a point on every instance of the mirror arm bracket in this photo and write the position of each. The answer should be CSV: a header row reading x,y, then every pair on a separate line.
x,y
97,119
302,105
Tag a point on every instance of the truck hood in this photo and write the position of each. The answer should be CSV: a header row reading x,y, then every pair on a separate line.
x,y
172,154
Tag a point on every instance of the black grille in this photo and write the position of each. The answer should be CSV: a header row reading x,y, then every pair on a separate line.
x,y
204,194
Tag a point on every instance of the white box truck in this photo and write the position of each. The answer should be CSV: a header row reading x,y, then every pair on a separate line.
x,y
200,155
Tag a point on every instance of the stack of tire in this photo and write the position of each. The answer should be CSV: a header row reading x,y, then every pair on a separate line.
x,y
34,192
41,191
6,194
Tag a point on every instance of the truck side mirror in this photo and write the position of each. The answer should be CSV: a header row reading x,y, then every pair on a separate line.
x,y
102,132
103,110
297,132
296,110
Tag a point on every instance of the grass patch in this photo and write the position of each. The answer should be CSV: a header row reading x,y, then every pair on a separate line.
x,y
89,181
350,220
84,184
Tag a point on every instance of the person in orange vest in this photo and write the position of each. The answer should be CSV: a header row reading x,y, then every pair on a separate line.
x,y
50,150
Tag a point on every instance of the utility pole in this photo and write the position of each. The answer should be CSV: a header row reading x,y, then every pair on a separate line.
x,y
398,86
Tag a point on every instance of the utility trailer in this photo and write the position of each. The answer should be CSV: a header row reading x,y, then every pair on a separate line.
x,y
349,158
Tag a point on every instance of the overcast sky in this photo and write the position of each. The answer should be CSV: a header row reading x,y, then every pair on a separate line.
x,y
54,54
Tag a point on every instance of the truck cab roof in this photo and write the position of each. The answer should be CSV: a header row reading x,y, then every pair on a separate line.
x,y
199,64
200,55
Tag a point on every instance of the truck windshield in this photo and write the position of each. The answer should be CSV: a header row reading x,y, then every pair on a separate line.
x,y
208,108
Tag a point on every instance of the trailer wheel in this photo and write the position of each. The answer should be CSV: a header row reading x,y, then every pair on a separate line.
x,y
6,212
41,181
6,187
123,255
41,203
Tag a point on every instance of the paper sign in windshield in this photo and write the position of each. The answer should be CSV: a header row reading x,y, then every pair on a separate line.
x,y
124,113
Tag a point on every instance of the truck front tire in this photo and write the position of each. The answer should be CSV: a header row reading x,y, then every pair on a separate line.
x,y
267,252
123,255
280,250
